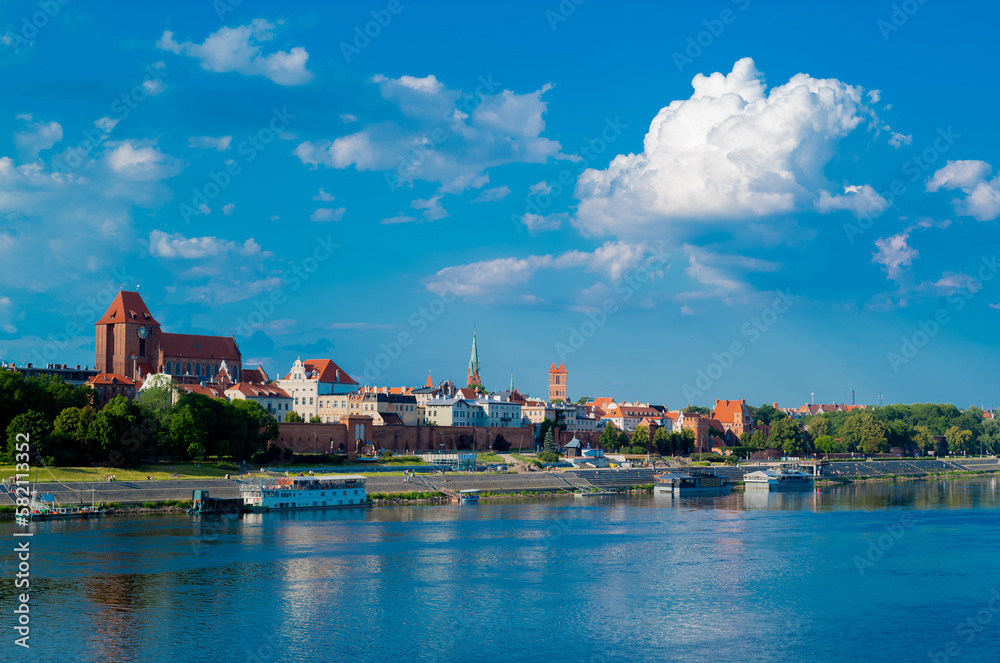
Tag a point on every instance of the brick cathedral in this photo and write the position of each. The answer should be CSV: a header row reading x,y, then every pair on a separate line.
x,y
130,343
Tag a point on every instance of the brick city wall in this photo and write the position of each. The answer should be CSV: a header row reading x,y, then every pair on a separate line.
x,y
327,438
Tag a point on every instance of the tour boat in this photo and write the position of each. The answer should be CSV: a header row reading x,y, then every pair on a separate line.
x,y
328,491
783,478
693,482
45,507
468,496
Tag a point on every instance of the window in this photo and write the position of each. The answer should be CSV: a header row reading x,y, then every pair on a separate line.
x,y
189,370
169,368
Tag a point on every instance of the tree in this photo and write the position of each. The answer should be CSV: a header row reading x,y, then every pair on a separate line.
x,y
34,429
990,436
786,434
260,427
698,409
685,442
663,442
765,414
863,432
959,441
549,444
118,433
924,441
187,437
745,438
582,400
826,444
315,419
640,437
758,440
609,437
71,441
819,426
294,417
156,405
624,441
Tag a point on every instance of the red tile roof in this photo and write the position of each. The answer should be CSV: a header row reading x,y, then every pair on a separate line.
x,y
102,379
128,307
259,390
211,390
730,411
196,346
256,375
561,369
326,371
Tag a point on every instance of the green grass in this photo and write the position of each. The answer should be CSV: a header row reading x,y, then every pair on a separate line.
x,y
160,472
490,457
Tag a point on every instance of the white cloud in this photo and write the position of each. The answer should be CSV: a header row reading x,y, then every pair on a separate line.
x,y
431,206
497,277
540,188
37,136
732,151
860,200
493,195
239,49
898,140
894,253
982,195
140,160
154,86
228,209
960,175
447,137
536,223
347,118
204,209
327,214
399,218
221,143
323,196
687,310
175,245
106,124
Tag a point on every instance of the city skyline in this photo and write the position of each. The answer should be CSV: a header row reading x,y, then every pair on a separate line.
x,y
709,203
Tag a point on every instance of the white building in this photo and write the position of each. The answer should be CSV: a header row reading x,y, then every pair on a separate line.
x,y
454,412
312,378
500,414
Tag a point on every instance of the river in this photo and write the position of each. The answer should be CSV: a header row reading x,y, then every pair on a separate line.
x,y
864,572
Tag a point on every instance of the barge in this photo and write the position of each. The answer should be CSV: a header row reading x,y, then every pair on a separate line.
x,y
329,491
692,482
781,479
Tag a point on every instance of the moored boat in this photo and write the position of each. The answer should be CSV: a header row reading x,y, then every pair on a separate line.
x,y
45,507
468,496
329,491
692,482
780,479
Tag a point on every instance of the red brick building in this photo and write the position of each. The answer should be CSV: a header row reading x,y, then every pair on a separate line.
x,y
557,382
130,343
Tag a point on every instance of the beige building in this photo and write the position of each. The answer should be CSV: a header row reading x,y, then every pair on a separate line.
x,y
312,378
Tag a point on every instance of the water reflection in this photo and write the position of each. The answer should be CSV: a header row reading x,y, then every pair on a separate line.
x,y
978,492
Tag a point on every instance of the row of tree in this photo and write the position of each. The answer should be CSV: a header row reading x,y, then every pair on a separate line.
x,y
913,428
66,429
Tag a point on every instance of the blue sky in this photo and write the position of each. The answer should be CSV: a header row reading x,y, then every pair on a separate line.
x,y
625,188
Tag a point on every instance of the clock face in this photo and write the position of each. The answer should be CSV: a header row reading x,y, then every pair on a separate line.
x,y
142,331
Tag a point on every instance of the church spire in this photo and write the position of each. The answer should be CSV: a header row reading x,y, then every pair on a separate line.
x,y
474,362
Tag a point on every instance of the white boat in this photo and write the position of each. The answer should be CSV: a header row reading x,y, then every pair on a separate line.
x,y
783,478
693,482
328,491
468,496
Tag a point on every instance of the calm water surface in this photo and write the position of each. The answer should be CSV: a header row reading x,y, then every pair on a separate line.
x,y
873,572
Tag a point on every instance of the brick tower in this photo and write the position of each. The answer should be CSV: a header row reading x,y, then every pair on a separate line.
x,y
557,382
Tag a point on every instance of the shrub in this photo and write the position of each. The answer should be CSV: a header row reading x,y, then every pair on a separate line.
x,y
548,457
